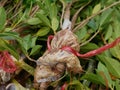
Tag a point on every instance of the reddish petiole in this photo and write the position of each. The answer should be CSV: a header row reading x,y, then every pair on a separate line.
x,y
88,54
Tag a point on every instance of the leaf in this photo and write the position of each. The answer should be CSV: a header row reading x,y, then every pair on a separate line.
x,y
111,64
89,46
105,16
55,24
92,24
47,3
96,8
33,41
102,68
109,32
77,85
53,11
2,18
35,49
93,78
33,21
117,84
81,33
44,19
115,51
15,36
116,26
27,42
43,31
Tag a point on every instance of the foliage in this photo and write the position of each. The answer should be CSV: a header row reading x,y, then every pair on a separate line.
x,y
26,24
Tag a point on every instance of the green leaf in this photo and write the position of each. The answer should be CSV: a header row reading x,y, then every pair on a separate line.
x,y
47,3
96,8
44,19
2,18
81,34
105,16
116,26
55,24
109,32
35,49
14,36
102,68
53,11
89,46
115,51
43,31
92,24
77,85
95,78
33,41
33,21
27,41
117,84
111,64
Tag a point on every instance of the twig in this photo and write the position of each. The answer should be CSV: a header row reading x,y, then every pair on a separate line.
x,y
34,10
33,60
63,11
84,22
18,6
76,14
15,14
2,3
104,41
90,38
8,11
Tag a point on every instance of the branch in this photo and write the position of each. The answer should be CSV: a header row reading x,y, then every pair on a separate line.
x,y
29,58
84,22
76,14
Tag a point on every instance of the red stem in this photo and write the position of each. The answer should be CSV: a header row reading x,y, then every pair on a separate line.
x,y
48,42
88,54
94,52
